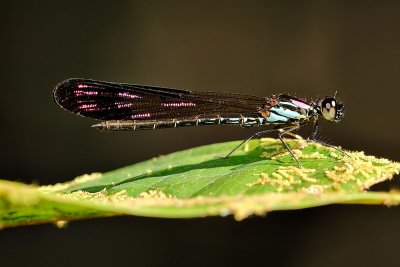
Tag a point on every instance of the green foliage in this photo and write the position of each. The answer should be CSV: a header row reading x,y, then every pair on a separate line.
x,y
199,182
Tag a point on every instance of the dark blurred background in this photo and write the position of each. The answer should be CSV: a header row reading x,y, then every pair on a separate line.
x,y
310,48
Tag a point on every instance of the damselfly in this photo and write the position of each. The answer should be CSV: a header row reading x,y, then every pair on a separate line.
x,y
127,107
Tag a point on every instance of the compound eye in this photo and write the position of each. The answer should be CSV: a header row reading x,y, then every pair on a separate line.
x,y
328,109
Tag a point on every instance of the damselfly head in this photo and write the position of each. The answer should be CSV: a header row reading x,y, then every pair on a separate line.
x,y
330,108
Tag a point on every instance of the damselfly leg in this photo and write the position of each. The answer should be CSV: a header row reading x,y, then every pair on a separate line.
x,y
257,134
287,131
282,131
313,138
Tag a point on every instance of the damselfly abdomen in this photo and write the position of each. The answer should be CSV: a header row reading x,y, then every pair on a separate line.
x,y
126,107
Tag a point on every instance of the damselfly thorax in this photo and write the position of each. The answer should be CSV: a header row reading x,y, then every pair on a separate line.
x,y
128,107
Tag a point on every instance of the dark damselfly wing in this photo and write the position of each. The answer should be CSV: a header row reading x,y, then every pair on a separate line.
x,y
117,101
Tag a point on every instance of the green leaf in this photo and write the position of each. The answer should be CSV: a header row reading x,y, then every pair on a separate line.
x,y
200,182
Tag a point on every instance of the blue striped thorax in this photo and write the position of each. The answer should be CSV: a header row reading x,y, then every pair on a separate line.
x,y
286,109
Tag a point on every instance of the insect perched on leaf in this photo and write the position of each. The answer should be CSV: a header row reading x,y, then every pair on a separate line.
x,y
128,107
